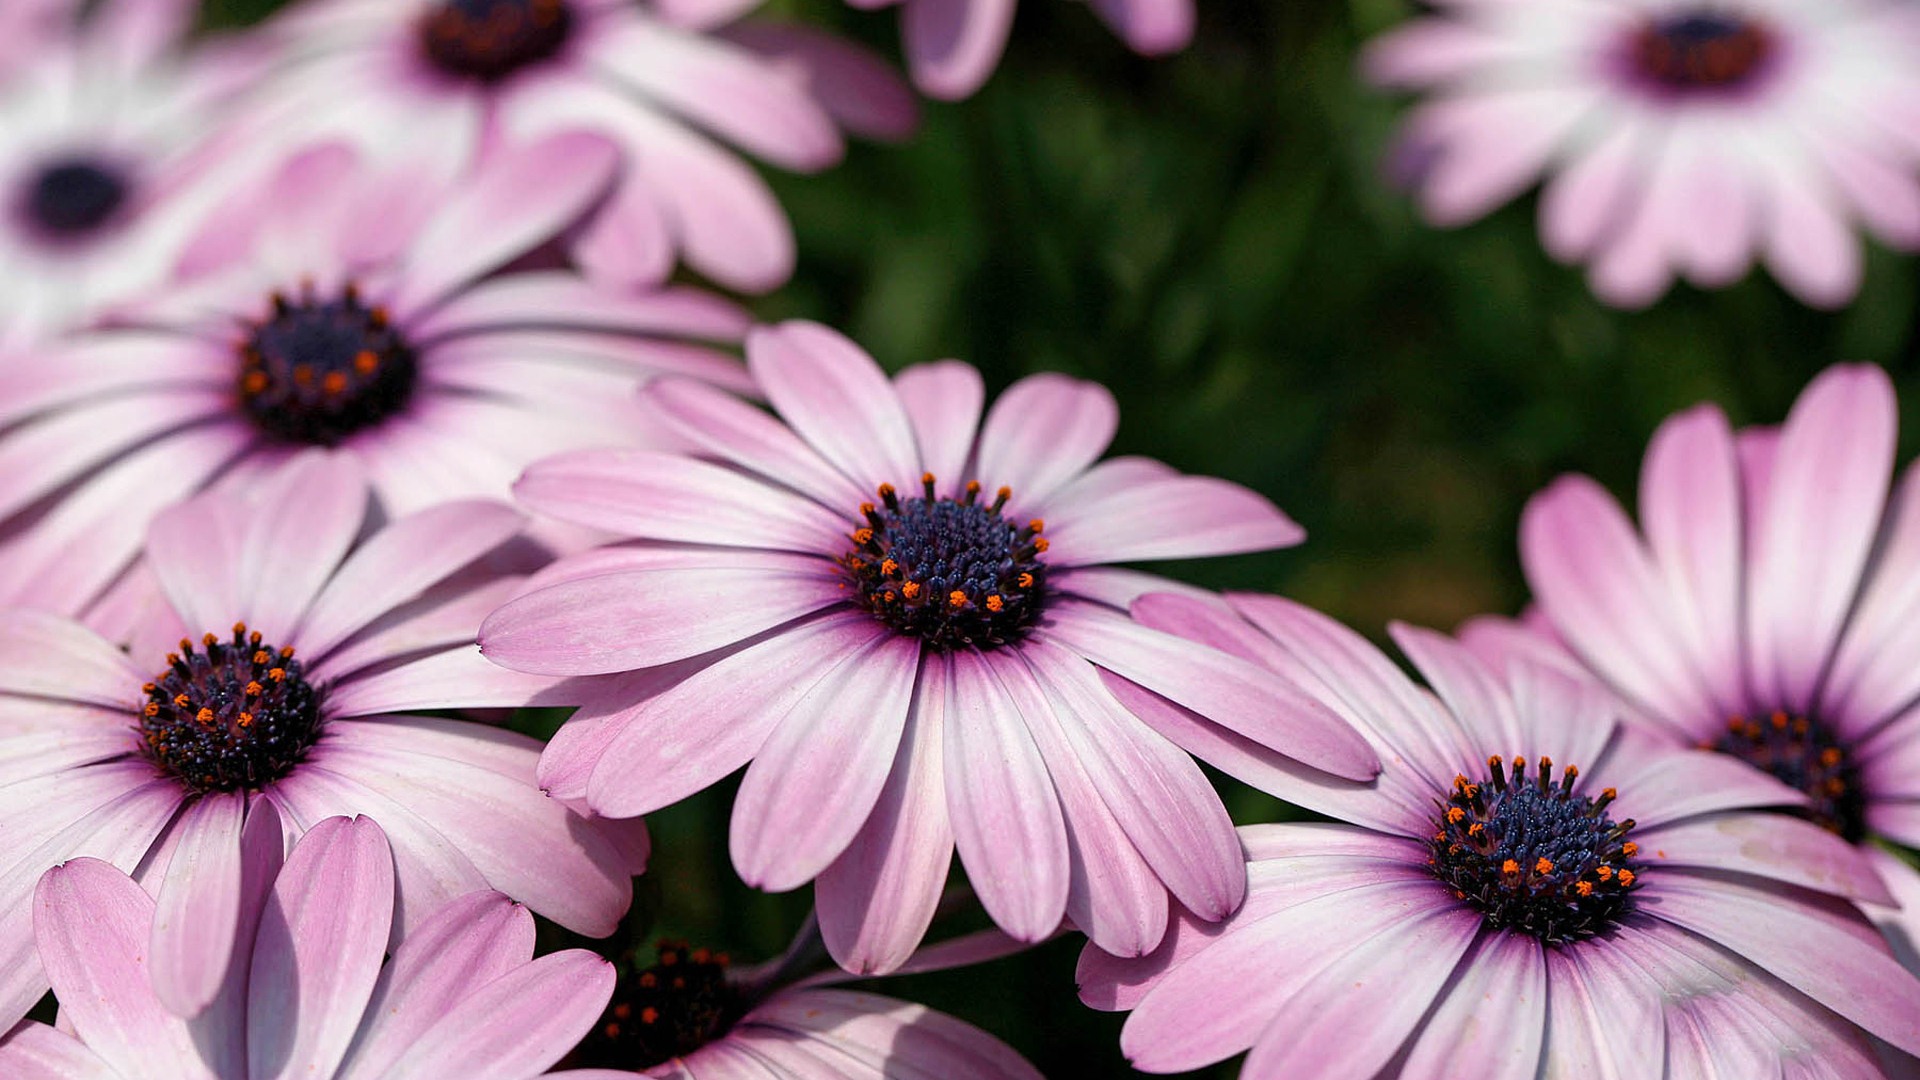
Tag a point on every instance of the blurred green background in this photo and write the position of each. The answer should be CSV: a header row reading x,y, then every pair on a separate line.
x,y
1209,236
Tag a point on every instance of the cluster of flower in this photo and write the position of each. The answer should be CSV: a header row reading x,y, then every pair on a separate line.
x,y
346,402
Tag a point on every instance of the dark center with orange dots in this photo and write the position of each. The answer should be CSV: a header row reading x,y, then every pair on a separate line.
x,y
1701,51
1533,856
1803,754
318,369
231,715
68,199
659,1013
952,572
489,40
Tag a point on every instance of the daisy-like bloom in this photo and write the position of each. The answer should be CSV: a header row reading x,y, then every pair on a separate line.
x,y
1768,608
693,1014
1530,888
305,994
952,46
346,306
108,131
288,667
1677,137
447,77
889,608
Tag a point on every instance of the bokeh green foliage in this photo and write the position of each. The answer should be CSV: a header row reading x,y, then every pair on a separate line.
x,y
1210,236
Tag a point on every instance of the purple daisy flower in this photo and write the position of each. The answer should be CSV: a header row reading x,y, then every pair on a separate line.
x,y
1769,610
305,993
952,46
109,130
442,79
693,1014
1529,889
344,306
1677,137
301,658
892,611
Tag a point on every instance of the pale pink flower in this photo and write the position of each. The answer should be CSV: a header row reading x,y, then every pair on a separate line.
x,y
109,132
889,611
1767,607
305,993
306,644
444,80
1530,888
342,305
1676,137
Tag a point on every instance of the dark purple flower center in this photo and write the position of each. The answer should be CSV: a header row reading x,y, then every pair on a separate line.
x,y
317,371
952,572
1803,754
71,198
1702,50
234,714
489,40
1534,857
659,1013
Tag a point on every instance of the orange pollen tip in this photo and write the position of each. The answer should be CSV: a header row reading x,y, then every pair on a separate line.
x,y
862,536
1456,815
151,708
1543,865
1037,525
1040,544
1584,888
286,653
973,487
366,362
205,715
208,639
254,382
994,603
886,491
613,1031
623,1010
1025,581
1003,493
1779,720
926,478
649,1015
1604,873
277,674
181,701
1510,867
1611,793
957,598
1831,756
1629,849
911,590
334,383
889,567
1476,829
1626,878
648,979
261,656
254,689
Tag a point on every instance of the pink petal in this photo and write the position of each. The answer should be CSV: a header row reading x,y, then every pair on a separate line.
x,y
1771,846
1222,688
1812,943
319,950
1149,27
524,843
729,91
617,622
1595,992
1596,583
816,779
862,92
1876,671
92,924
628,244
1493,144
1504,976
1666,786
514,200
465,945
198,914
658,758
1156,792
877,899
452,679
1809,245
1430,52
837,399
882,1034
726,427
943,401
1383,985
34,1051
1176,518
1690,505
1044,431
307,516
1113,896
400,562
1821,514
517,1025
47,656
953,46
1006,815
657,496
561,298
